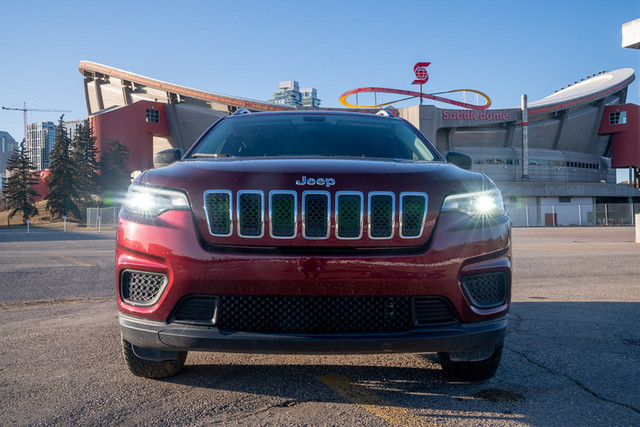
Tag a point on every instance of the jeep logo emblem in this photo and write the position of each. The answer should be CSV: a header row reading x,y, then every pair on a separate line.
x,y
327,182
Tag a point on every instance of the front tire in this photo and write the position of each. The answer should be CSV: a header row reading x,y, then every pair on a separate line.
x,y
151,368
471,371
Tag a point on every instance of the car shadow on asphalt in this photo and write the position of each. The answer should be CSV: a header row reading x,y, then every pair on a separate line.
x,y
552,349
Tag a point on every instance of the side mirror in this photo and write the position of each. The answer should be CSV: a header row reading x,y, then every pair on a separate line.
x,y
166,157
459,159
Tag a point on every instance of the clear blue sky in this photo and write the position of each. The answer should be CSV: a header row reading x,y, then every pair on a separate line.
x,y
245,48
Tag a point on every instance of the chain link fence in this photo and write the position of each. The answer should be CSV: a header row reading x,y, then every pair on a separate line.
x,y
573,215
521,216
102,217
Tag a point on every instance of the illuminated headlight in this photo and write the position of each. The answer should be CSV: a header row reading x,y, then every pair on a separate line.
x,y
483,203
151,201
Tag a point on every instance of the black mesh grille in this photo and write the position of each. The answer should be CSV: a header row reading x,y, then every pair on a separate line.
x,y
316,216
219,213
314,315
381,210
283,220
486,290
349,216
141,288
413,213
250,216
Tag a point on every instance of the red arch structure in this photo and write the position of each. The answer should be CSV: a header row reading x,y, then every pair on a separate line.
x,y
412,94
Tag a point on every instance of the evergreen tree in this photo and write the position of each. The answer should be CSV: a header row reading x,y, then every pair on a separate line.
x,y
18,192
114,175
64,186
84,156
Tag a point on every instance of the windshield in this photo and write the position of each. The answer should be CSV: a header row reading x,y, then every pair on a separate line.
x,y
313,135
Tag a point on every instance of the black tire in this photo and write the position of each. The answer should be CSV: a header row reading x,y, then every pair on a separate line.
x,y
471,371
151,368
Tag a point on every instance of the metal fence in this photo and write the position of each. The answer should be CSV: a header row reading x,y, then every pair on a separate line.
x,y
521,216
102,217
573,215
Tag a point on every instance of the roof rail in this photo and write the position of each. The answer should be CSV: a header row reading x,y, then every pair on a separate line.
x,y
241,111
386,113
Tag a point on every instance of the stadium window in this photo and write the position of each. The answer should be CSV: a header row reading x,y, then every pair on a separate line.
x,y
618,118
153,116
564,199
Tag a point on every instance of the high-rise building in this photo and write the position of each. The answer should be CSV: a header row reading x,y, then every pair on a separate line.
x,y
290,93
71,125
41,137
7,145
310,97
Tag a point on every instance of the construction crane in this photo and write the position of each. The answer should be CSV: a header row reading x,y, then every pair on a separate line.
x,y
24,109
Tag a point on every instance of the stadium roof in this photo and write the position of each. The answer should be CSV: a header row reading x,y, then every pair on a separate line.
x,y
592,88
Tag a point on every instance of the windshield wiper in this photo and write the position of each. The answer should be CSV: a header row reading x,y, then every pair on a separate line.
x,y
210,155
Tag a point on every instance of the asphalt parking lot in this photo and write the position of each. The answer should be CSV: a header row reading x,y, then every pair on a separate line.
x,y
572,353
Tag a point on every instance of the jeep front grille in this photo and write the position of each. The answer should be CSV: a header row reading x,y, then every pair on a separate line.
x,y
250,214
317,215
316,206
313,314
219,206
283,214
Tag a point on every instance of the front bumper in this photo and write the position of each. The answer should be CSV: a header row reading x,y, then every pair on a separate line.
x,y
179,337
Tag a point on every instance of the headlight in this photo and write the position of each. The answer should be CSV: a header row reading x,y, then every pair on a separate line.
x,y
151,201
483,203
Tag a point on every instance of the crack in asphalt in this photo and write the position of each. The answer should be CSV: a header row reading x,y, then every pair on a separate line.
x,y
284,404
55,301
576,382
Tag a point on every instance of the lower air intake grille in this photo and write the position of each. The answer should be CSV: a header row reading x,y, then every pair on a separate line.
x,y
314,315
433,311
486,290
141,288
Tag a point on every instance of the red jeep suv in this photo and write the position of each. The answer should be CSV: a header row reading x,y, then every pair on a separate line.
x,y
313,233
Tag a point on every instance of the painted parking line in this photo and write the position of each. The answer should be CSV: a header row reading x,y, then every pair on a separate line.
x,y
19,246
369,401
76,262
76,243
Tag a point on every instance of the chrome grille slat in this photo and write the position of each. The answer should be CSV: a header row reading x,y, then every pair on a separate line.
x,y
250,213
283,214
381,215
219,205
316,206
317,214
413,214
349,211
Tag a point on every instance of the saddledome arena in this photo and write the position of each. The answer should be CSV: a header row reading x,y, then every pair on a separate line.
x,y
577,137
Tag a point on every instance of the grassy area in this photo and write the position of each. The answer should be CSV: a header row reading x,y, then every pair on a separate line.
x,y
42,220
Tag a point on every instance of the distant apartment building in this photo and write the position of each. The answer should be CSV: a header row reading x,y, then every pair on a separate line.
x,y
41,137
310,97
7,145
290,93
71,126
